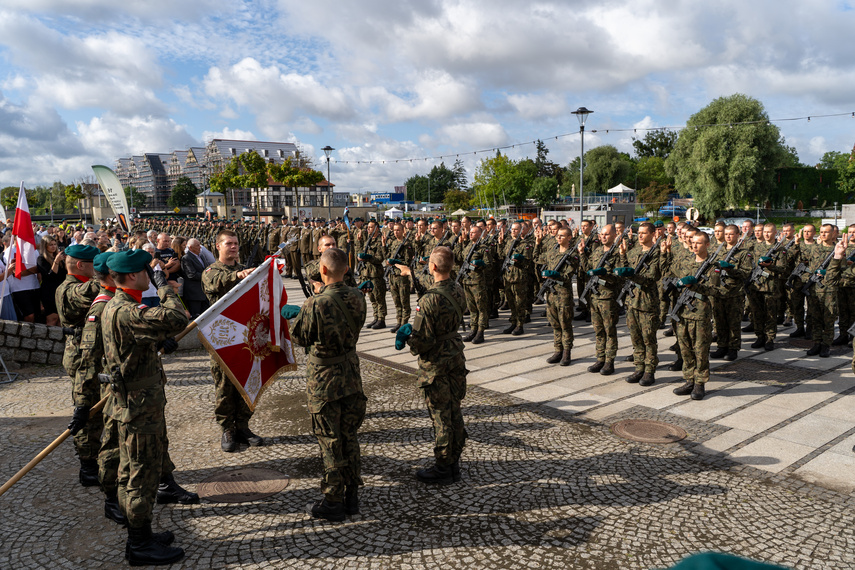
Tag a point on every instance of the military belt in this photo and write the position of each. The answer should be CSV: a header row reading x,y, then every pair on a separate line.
x,y
144,383
448,336
319,361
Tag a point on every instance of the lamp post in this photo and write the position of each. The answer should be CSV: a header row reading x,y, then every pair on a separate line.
x,y
327,150
582,114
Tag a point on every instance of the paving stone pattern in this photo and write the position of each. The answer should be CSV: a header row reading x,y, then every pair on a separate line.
x,y
541,488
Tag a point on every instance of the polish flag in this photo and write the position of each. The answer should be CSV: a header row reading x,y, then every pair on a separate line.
x,y
25,239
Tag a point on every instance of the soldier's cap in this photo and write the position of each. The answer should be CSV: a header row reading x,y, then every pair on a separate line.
x,y
294,219
358,219
129,261
658,224
100,261
82,252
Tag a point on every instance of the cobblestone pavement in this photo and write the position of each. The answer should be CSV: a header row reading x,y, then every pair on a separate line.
x,y
542,487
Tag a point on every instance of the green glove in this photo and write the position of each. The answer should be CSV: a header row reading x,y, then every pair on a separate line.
x,y
550,274
366,286
290,311
765,259
725,265
624,271
517,256
598,271
365,256
820,271
393,261
402,335
688,280
478,263
424,259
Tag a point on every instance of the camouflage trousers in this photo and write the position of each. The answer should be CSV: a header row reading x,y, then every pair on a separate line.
x,y
378,297
516,295
400,287
443,397
604,318
845,307
764,313
559,313
477,301
230,409
581,281
666,302
727,313
796,304
642,327
87,441
336,426
694,338
822,313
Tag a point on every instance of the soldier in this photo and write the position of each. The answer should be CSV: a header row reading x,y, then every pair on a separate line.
x,y
587,228
74,296
559,302
328,325
313,268
520,254
433,337
642,316
305,244
132,332
401,252
800,253
727,281
766,290
822,296
230,409
372,255
603,302
475,283
846,294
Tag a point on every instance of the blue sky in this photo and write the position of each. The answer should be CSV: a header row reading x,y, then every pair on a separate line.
x,y
85,82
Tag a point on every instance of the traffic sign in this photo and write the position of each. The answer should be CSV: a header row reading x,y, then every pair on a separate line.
x,y
693,214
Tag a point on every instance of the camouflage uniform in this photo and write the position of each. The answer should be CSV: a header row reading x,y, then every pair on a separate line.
x,y
603,303
400,285
442,366
766,292
822,302
799,253
475,283
131,334
328,326
373,272
693,333
517,276
559,303
642,315
846,295
729,297
230,409
73,299
313,271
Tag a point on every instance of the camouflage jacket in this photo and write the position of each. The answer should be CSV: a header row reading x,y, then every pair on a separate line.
x,y
831,280
330,339
374,265
91,350
408,251
478,275
687,265
847,273
519,270
770,283
435,339
313,270
131,333
646,296
730,283
73,299
549,257
219,278
611,284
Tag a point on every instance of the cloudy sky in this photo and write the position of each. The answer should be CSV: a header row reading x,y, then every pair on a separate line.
x,y
85,82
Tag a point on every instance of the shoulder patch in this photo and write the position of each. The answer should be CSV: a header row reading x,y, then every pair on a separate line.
x,y
142,306
207,269
92,318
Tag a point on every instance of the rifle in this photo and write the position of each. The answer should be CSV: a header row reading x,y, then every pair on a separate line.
x,y
250,261
390,268
732,252
593,284
361,264
758,270
630,286
687,296
550,283
816,278
466,266
507,262
426,268
590,238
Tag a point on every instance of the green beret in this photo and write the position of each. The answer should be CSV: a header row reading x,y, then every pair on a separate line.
x,y
84,252
358,219
658,224
129,261
100,261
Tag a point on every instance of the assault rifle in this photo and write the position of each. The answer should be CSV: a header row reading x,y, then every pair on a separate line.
x,y
594,282
426,268
590,238
816,277
509,257
361,265
758,270
466,266
549,283
391,268
628,289
687,296
732,252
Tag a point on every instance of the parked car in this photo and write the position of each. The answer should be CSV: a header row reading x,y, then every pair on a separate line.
x,y
671,210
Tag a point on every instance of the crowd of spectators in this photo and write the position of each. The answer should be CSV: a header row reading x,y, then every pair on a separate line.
x,y
32,297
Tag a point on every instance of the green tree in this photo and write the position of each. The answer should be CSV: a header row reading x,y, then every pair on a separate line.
x,y
833,159
544,191
459,171
136,199
455,200
847,175
183,193
74,194
9,198
652,169
439,180
723,164
656,143
654,195
605,168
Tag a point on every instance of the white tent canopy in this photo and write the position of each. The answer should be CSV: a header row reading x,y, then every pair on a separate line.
x,y
393,213
460,212
621,189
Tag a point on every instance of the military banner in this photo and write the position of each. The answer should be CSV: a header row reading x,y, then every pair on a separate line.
x,y
246,334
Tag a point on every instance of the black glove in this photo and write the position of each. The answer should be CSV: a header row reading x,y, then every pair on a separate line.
x,y
169,345
158,278
79,419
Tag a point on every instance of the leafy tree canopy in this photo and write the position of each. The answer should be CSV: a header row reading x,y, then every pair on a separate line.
x,y
544,191
455,200
605,168
658,143
183,193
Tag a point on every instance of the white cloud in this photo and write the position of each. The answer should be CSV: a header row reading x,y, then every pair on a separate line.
x,y
114,136
538,106
230,134
472,134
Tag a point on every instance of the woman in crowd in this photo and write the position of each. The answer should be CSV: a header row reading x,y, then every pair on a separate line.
x,y
51,264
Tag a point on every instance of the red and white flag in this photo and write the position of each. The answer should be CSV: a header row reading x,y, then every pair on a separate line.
x,y
25,239
246,334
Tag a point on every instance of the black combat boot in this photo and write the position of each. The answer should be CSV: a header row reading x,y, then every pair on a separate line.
x,y
527,318
609,368
351,500
731,355
455,471
841,340
479,337
770,345
518,331
761,340
824,351
436,475
472,332
380,324
647,379
583,316
719,353
324,509
394,329
669,331
165,538
554,358
509,329
676,366
685,389
565,357
88,475
634,377
597,366
798,333
371,324
144,550
630,358
171,492
112,510
699,391
227,442
748,328
815,349
245,435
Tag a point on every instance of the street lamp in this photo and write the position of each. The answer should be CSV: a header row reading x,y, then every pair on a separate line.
x,y
582,114
327,150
